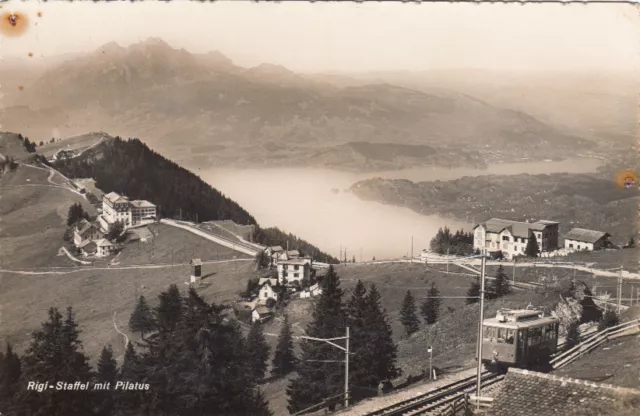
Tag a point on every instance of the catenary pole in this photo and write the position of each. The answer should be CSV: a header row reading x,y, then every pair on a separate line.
x,y
479,376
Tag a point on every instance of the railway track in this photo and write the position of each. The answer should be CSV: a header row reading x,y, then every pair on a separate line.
x,y
432,402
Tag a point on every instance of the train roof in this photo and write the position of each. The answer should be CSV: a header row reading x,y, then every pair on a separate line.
x,y
495,322
519,318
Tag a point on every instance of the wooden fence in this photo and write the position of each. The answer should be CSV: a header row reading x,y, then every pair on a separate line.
x,y
593,342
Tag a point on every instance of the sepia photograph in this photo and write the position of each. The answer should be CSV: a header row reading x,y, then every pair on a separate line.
x,y
241,208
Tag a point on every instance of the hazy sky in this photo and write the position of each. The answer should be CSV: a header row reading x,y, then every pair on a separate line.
x,y
348,36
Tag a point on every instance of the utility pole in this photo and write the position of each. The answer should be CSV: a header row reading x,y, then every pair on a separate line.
x,y
448,260
513,279
479,379
346,359
620,291
412,249
430,362
360,254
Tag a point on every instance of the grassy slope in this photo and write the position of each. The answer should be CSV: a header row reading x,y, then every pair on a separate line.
x,y
11,145
33,223
33,219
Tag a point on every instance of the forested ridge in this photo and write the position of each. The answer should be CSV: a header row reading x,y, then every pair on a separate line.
x,y
130,168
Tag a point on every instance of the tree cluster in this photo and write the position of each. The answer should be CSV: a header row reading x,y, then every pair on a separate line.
x,y
532,249
499,286
373,353
145,174
458,243
29,146
194,362
76,214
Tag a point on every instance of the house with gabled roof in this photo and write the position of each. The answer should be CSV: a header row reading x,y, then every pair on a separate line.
x,y
85,230
293,270
583,239
511,237
261,314
88,248
526,392
104,247
267,290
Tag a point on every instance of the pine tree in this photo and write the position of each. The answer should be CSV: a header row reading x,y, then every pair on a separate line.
x,y
141,319
360,370
284,359
168,312
532,249
632,243
129,401
473,294
380,348
319,380
10,371
258,351
408,315
431,305
55,354
500,285
107,373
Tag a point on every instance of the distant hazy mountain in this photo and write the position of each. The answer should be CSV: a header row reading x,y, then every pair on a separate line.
x,y
182,104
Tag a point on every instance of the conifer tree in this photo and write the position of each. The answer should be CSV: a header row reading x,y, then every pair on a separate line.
x,y
473,294
319,380
168,312
141,319
10,371
408,315
360,370
431,305
500,285
284,359
532,249
55,354
107,373
131,371
381,349
258,351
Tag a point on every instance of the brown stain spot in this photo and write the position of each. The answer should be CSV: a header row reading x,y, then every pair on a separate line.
x,y
13,24
30,54
20,87
39,14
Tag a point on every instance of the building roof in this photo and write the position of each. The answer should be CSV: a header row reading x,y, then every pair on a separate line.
x,y
517,228
263,280
141,203
90,247
584,235
115,198
196,262
295,262
523,391
262,310
293,253
84,243
103,243
276,249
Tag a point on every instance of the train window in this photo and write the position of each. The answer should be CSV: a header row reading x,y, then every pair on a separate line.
x,y
489,334
505,336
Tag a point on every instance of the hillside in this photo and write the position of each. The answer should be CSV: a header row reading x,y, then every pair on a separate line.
x,y
131,168
12,145
182,104
576,200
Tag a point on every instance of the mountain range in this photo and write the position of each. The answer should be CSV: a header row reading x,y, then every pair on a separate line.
x,y
202,108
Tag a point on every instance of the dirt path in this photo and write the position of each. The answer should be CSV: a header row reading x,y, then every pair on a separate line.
x,y
115,325
69,270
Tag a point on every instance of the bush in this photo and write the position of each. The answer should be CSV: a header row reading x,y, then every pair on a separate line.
x,y
271,302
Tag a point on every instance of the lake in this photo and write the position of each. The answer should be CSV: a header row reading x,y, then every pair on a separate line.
x,y
313,204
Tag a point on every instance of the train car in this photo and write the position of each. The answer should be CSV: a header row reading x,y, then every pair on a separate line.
x,y
522,338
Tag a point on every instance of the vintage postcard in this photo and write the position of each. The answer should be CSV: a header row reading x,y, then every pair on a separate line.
x,y
378,208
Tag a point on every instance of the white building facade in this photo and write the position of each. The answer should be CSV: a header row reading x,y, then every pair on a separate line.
x,y
293,270
511,237
118,208
580,239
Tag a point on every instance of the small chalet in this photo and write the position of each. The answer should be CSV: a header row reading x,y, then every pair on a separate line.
x,y
104,248
85,230
88,248
267,291
312,291
260,314
274,253
583,239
